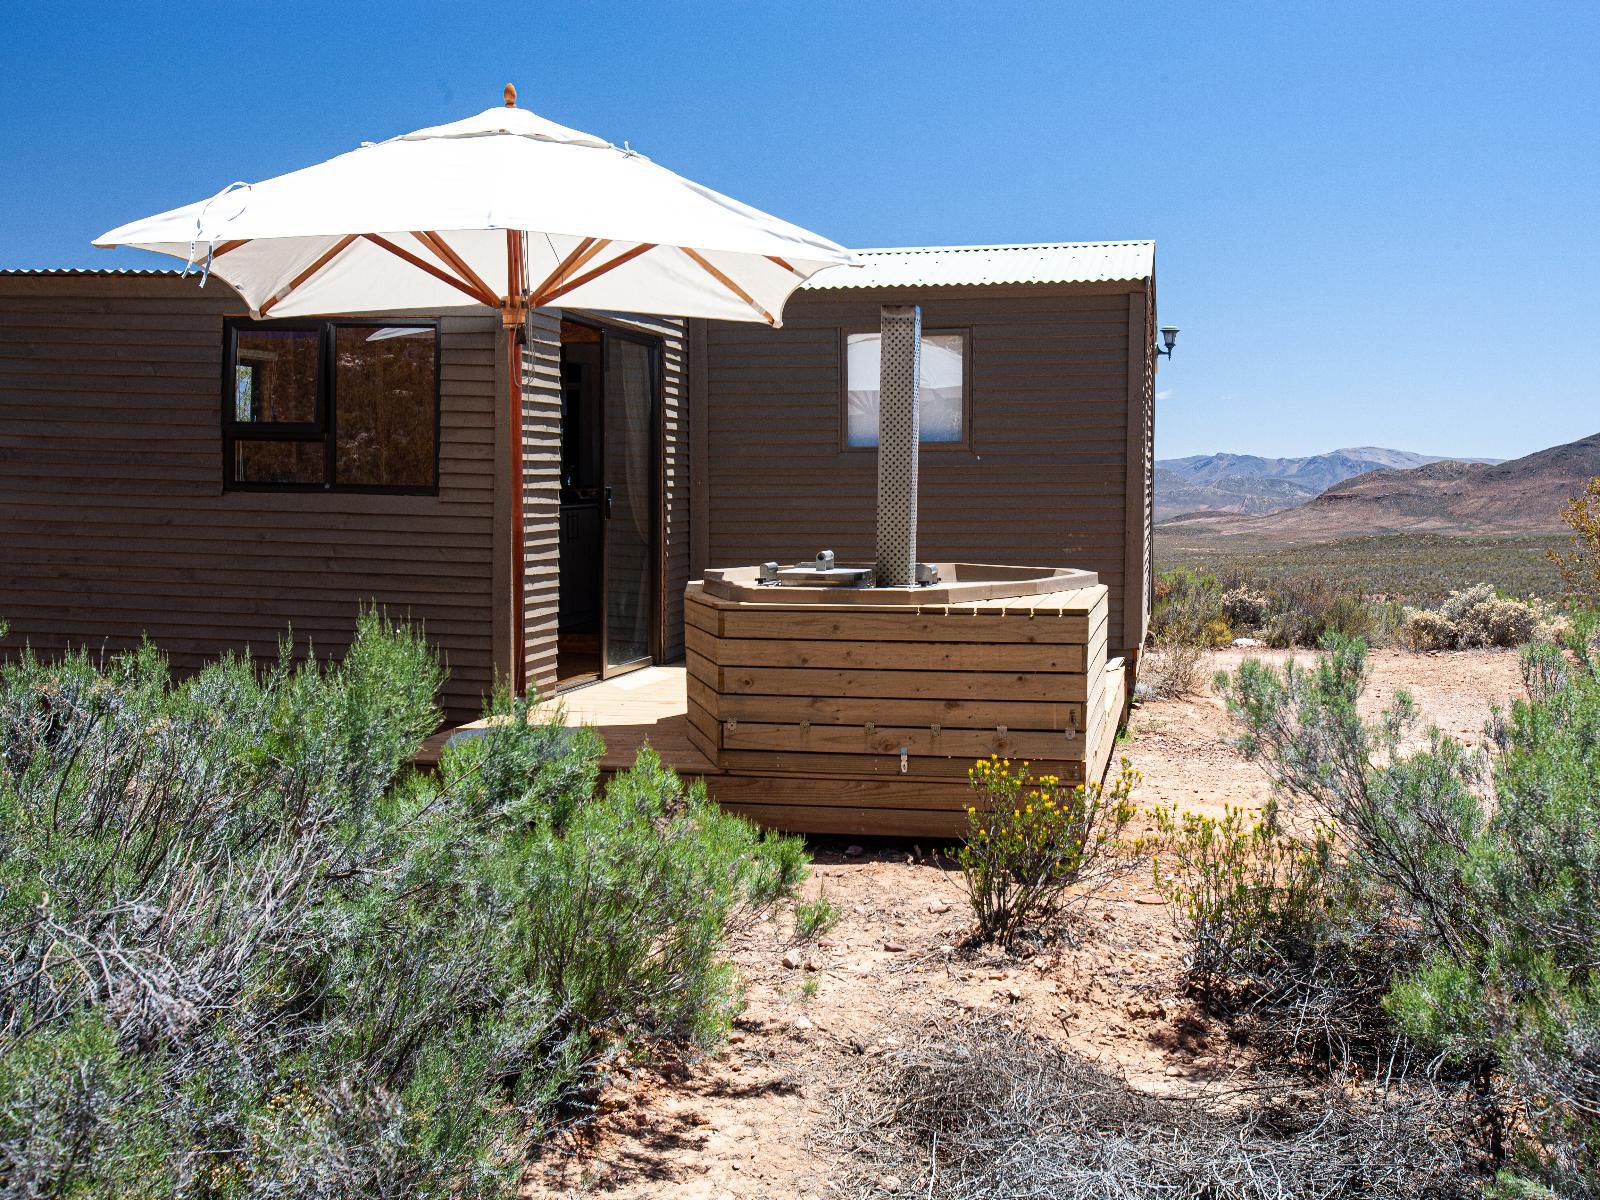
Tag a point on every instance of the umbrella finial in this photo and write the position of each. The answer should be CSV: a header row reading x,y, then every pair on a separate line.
x,y
511,95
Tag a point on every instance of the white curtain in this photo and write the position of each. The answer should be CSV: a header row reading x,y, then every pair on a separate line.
x,y
942,377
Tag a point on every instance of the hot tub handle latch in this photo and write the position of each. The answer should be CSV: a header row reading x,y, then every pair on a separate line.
x,y
905,760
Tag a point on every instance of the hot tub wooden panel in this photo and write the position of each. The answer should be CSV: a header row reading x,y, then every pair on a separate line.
x,y
805,706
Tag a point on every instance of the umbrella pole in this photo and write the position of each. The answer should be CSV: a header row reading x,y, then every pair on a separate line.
x,y
513,316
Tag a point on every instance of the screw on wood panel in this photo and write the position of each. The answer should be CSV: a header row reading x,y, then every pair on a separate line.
x,y
732,725
872,728
805,726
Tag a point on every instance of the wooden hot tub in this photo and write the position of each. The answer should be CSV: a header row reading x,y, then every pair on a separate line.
x,y
859,710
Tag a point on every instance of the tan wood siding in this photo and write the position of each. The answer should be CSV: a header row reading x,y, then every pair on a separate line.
x,y
115,525
1046,481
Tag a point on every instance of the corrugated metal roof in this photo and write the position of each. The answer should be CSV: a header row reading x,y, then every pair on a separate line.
x,y
905,266
944,266
89,271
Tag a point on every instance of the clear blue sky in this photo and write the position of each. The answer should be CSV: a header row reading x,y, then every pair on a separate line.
x,y
1377,223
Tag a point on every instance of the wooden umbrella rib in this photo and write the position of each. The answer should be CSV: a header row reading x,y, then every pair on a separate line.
x,y
785,264
323,260
706,266
219,251
514,268
581,254
589,276
448,253
423,264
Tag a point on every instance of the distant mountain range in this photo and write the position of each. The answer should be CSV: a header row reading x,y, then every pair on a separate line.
x,y
1246,483
1521,495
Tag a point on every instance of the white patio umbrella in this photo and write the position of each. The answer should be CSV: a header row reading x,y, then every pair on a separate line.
x,y
504,209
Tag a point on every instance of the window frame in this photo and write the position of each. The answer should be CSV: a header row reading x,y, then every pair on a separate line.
x,y
325,427
963,443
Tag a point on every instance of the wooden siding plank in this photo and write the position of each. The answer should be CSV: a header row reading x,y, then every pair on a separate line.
x,y
889,656
1038,631
858,766
963,744
982,715
909,685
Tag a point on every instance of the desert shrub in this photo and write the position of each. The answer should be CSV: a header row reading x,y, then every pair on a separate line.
x,y
1241,888
1188,609
1031,838
1280,940
1171,668
1482,618
1580,565
1511,623
1428,630
813,918
1496,867
246,952
1245,608
985,1110
1304,609
1459,606
1186,620
1469,610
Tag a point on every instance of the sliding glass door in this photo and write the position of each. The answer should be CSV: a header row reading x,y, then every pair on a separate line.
x,y
632,522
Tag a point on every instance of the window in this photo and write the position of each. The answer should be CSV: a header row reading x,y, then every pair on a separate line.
x,y
943,378
331,404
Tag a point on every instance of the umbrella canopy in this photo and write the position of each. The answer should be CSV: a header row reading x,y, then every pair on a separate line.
x,y
504,209
421,221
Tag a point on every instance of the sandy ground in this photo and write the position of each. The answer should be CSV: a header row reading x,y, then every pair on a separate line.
x,y
741,1124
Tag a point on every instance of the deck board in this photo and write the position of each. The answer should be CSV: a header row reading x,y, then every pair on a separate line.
x,y
645,706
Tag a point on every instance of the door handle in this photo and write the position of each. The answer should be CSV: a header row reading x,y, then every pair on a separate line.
x,y
607,506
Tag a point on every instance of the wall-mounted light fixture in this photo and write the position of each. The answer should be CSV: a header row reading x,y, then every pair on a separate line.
x,y
1169,335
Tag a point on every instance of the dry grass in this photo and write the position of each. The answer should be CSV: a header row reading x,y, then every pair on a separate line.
x,y
984,1111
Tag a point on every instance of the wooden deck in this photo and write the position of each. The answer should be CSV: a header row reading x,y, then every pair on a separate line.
x,y
650,707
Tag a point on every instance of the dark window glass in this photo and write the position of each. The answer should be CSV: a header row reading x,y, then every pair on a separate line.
x,y
261,460
275,376
384,386
361,401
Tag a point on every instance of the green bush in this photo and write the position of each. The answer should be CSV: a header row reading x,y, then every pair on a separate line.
x,y
1243,890
1495,867
1031,838
813,918
246,952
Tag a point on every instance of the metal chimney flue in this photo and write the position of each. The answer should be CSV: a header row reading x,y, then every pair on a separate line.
x,y
899,433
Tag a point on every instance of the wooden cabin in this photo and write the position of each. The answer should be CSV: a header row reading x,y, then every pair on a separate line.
x,y
171,469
